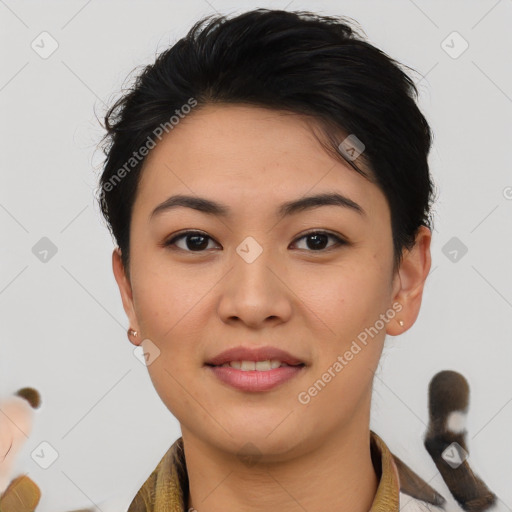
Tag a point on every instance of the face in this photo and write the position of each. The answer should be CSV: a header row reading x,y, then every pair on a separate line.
x,y
315,282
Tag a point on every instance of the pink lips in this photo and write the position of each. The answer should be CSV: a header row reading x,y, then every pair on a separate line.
x,y
255,380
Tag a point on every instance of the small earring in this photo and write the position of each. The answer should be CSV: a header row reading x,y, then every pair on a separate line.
x,y
132,332
401,322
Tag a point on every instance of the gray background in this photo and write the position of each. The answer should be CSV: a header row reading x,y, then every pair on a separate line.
x,y
63,329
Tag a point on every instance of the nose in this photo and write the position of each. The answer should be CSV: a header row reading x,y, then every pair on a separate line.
x,y
255,291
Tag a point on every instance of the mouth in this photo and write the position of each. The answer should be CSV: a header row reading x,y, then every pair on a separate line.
x,y
255,376
255,369
254,359
260,366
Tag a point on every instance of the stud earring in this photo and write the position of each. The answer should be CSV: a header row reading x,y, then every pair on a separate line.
x,y
401,322
132,332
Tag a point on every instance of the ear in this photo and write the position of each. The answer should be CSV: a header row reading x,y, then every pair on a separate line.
x,y
125,289
409,281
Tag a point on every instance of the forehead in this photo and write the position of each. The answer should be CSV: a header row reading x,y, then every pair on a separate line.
x,y
247,155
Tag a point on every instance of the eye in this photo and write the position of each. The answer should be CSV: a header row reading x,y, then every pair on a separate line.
x,y
318,239
195,241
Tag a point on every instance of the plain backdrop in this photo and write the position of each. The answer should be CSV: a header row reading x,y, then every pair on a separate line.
x,y
62,325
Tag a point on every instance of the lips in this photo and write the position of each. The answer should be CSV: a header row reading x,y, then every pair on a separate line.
x,y
254,354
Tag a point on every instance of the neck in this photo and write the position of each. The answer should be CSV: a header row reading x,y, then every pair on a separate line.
x,y
339,471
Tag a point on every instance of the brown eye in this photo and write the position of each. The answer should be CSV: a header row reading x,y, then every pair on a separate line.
x,y
195,241
317,240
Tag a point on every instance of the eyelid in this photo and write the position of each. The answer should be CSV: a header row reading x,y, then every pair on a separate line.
x,y
340,240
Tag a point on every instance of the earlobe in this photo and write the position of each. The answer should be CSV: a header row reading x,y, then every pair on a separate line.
x,y
410,282
125,289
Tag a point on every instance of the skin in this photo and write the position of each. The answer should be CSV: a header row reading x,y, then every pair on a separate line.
x,y
194,304
16,418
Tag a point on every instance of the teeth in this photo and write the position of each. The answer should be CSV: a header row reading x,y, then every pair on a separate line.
x,y
263,366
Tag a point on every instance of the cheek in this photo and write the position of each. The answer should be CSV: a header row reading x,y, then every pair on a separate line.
x,y
351,306
165,297
348,297
172,388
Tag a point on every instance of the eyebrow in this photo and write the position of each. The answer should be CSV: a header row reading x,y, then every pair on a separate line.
x,y
211,207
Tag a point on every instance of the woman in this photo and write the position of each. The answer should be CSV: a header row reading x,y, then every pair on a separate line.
x,y
267,185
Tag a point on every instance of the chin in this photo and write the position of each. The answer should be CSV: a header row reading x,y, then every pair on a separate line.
x,y
271,443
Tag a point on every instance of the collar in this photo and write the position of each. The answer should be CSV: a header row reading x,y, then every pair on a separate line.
x,y
166,488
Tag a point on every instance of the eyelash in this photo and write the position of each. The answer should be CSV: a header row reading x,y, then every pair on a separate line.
x,y
339,241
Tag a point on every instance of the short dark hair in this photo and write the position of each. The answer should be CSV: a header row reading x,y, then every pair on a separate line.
x,y
298,62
